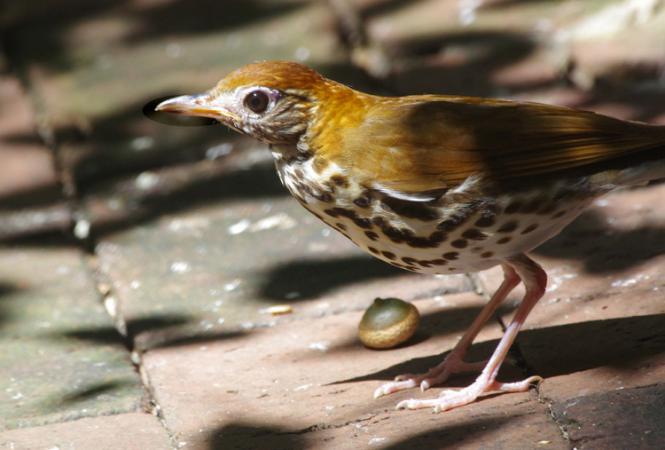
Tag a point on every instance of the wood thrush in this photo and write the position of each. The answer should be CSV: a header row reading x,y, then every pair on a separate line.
x,y
435,184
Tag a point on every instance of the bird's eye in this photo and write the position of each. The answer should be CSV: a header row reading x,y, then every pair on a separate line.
x,y
257,101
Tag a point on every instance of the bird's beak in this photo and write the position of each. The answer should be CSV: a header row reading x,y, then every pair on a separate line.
x,y
199,105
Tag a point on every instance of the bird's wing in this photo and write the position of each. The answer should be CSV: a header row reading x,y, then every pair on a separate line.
x,y
423,143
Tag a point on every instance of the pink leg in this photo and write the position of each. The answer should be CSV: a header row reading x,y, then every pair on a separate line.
x,y
535,280
453,363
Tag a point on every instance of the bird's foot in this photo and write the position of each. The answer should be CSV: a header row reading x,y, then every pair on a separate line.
x,y
436,375
452,398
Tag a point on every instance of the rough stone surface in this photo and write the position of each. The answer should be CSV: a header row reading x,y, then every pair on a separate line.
x,y
124,431
30,198
27,163
61,358
622,418
619,45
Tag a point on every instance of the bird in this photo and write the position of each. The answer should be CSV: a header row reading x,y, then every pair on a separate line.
x,y
435,184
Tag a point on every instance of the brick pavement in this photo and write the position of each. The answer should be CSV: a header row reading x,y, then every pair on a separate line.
x,y
134,267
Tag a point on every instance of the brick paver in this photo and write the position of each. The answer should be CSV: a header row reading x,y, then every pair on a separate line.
x,y
61,357
30,197
122,431
313,377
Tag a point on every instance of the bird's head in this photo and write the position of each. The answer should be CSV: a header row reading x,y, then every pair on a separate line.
x,y
272,101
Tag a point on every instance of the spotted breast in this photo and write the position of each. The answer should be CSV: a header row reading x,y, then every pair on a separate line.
x,y
466,229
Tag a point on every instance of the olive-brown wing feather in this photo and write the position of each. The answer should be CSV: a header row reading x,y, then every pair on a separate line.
x,y
428,142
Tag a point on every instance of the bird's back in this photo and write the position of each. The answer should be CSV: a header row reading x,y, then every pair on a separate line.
x,y
422,143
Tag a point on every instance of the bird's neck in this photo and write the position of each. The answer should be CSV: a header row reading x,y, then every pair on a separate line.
x,y
291,153
320,151
305,175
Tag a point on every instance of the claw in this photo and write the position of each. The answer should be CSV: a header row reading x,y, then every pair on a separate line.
x,y
411,403
394,386
454,398
518,386
434,376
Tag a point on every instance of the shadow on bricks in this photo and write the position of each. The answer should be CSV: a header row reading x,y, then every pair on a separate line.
x,y
367,9
313,278
256,436
5,290
94,391
450,321
162,329
490,52
604,249
616,343
154,22
261,436
452,436
187,192
645,105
